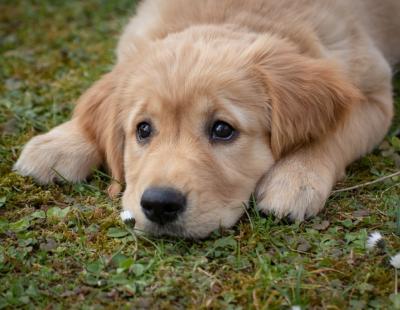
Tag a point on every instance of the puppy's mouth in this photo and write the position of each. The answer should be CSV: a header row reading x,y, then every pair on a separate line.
x,y
174,229
165,211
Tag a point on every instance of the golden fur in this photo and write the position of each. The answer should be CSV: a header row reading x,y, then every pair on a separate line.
x,y
307,85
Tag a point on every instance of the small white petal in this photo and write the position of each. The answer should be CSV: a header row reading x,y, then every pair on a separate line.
x,y
373,240
126,215
395,261
296,308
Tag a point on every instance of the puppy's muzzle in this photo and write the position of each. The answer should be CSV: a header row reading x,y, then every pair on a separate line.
x,y
162,205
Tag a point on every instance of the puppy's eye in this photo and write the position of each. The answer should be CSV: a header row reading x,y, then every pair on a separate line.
x,y
222,131
143,131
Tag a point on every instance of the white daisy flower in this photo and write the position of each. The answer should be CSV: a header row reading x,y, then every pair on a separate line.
x,y
395,261
127,216
373,240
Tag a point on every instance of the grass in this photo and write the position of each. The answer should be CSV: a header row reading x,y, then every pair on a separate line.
x,y
63,246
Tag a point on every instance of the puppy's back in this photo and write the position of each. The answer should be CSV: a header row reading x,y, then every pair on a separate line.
x,y
382,21
155,19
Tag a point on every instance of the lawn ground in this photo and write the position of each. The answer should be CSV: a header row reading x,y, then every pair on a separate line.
x,y
64,246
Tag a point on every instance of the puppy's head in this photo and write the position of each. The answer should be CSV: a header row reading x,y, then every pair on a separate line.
x,y
203,116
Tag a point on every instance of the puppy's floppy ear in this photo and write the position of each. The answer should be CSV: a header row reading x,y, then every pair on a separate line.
x,y
308,97
99,115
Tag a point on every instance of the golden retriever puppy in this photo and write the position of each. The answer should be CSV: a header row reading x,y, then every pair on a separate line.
x,y
213,100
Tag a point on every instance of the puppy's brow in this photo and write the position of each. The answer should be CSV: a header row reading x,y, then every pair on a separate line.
x,y
235,114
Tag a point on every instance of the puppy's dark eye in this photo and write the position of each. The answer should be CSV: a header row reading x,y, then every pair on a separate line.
x,y
222,131
143,131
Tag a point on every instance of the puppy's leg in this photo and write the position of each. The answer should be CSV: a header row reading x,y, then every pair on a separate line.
x,y
63,153
300,183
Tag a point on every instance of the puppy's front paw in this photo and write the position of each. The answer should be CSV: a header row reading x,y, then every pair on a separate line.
x,y
292,190
62,153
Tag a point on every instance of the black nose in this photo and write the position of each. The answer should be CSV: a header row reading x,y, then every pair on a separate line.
x,y
162,204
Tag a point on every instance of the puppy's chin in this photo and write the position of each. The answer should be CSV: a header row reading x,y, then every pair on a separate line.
x,y
171,230
175,229
180,230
